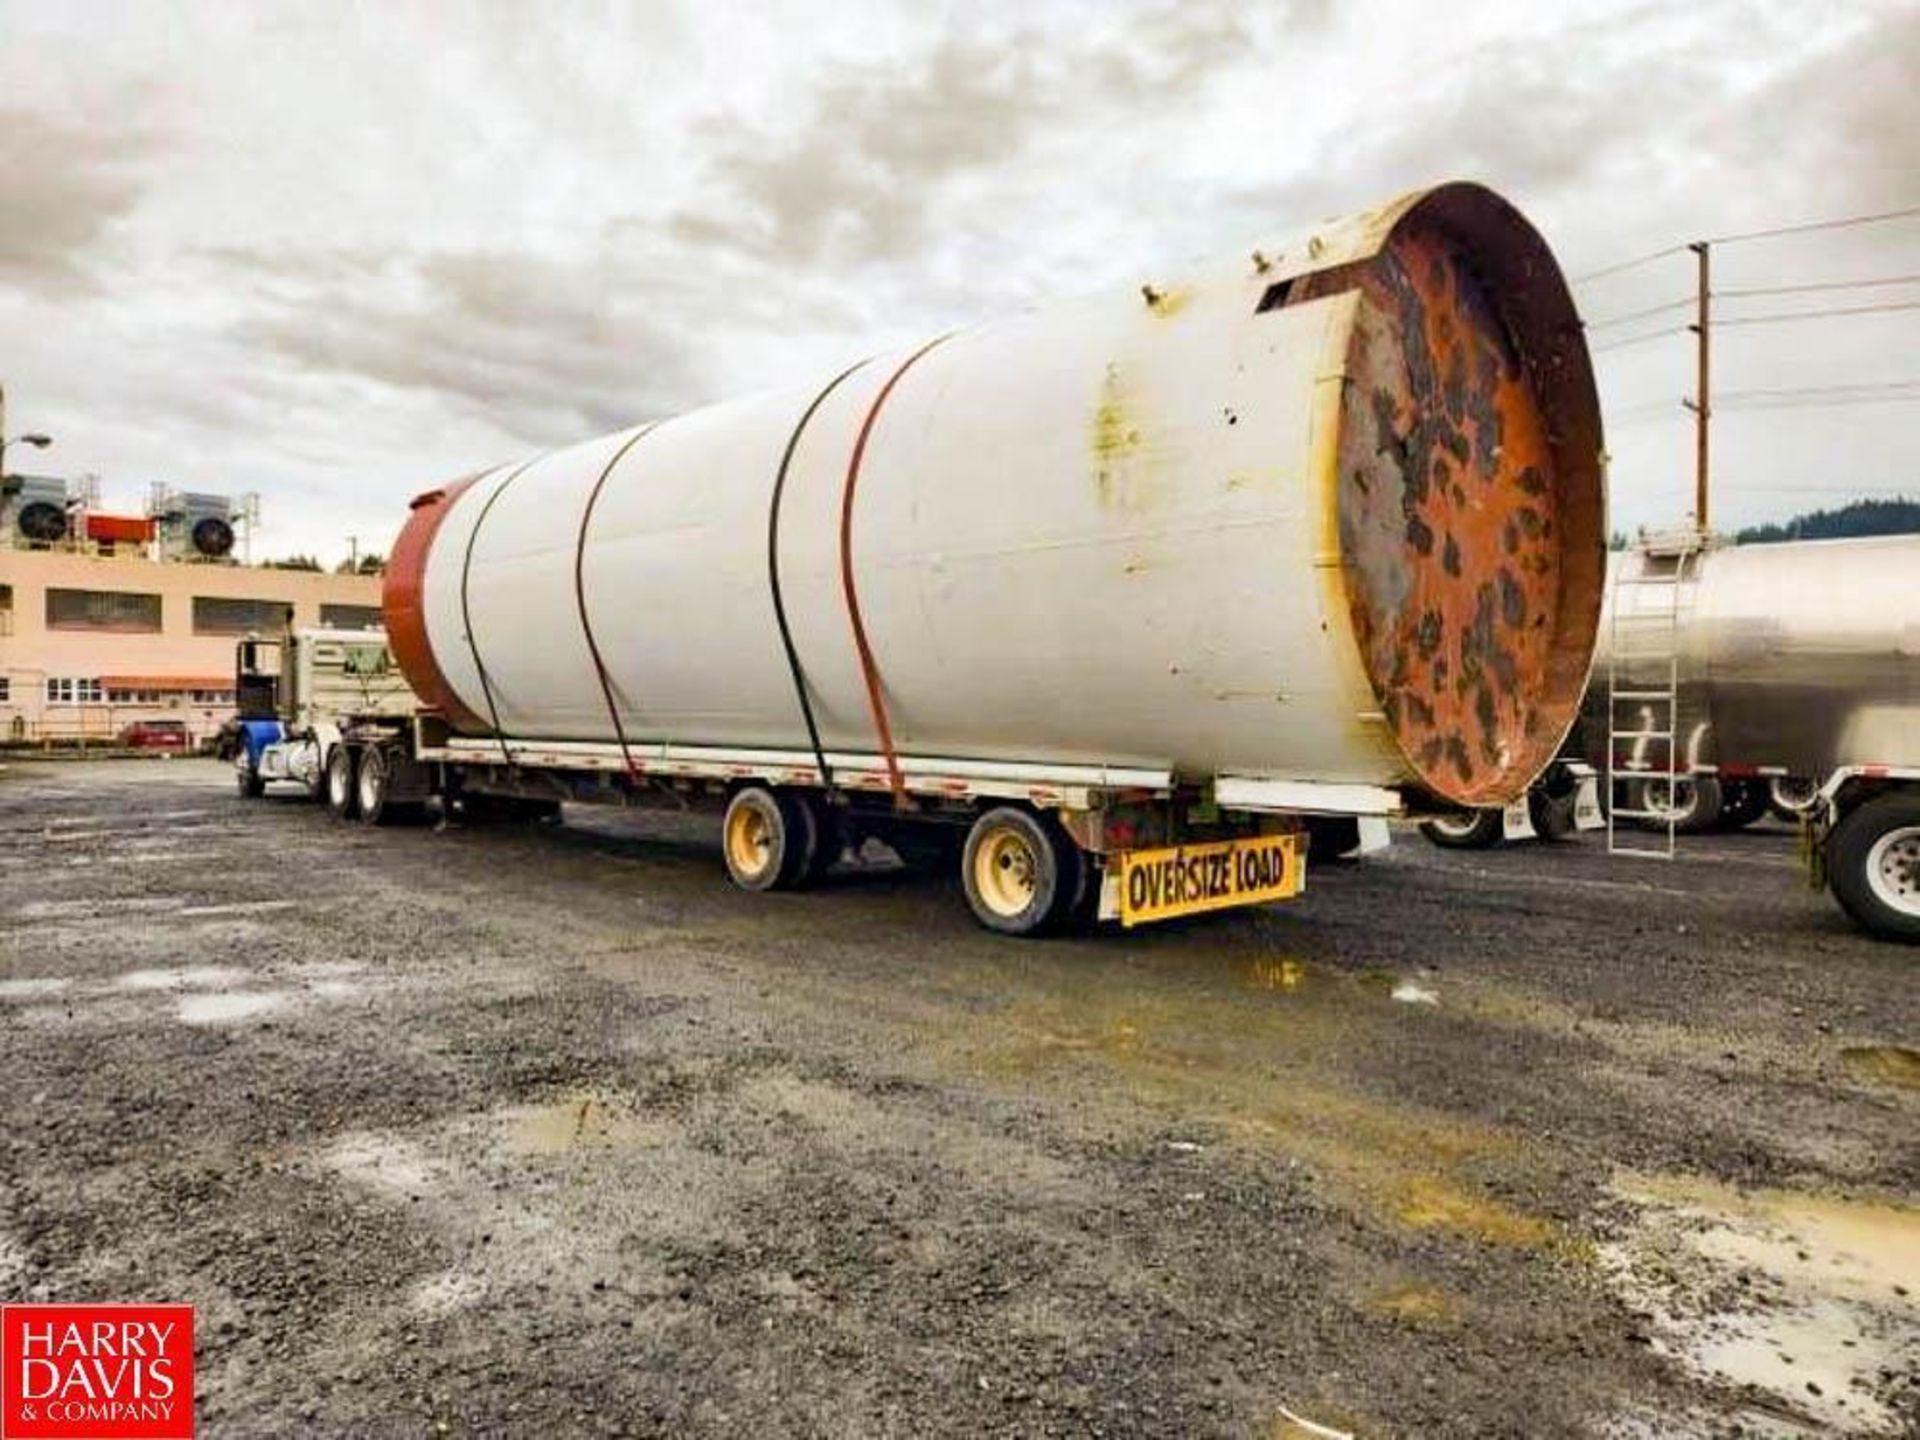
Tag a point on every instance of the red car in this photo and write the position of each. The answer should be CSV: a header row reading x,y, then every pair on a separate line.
x,y
157,735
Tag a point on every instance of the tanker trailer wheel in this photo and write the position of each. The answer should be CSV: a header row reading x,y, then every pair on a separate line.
x,y
1465,830
1021,872
1744,801
343,794
1788,796
1695,802
375,789
767,839
1873,861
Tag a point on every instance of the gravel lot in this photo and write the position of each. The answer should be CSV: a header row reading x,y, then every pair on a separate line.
x,y
548,1130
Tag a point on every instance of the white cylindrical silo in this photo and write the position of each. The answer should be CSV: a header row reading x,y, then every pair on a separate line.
x,y
1331,512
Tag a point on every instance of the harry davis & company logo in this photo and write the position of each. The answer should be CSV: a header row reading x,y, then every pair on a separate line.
x,y
96,1372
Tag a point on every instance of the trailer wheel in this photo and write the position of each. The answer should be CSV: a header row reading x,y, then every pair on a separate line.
x,y
248,782
1465,830
375,787
1021,872
1551,815
1789,796
1873,857
765,839
1696,802
1743,802
343,797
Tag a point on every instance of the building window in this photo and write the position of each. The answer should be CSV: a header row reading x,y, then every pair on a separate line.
x,y
350,617
6,689
66,690
6,609
119,610
220,615
134,697
211,697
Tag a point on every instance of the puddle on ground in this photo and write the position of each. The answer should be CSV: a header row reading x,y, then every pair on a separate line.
x,y
386,1163
241,907
447,1293
1269,974
94,909
1808,1298
229,1005
1430,1203
189,977
583,1120
1886,1064
35,988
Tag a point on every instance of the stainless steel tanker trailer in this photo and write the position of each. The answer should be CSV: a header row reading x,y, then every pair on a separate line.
x,y
1790,679
1109,601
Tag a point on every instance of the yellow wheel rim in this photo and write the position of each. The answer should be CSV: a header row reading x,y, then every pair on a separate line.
x,y
749,841
1004,873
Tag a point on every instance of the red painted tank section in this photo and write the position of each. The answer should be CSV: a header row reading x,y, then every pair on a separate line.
x,y
404,604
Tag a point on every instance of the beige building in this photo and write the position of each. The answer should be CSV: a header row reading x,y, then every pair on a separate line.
x,y
90,642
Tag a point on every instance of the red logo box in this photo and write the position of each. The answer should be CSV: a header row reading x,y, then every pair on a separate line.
x,y
96,1372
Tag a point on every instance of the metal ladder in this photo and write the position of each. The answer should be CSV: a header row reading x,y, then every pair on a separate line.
x,y
1643,677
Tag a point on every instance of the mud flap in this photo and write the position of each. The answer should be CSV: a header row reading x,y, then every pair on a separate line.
x,y
1375,835
1586,805
1516,823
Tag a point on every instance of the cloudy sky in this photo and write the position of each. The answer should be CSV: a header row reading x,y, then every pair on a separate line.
x,y
335,253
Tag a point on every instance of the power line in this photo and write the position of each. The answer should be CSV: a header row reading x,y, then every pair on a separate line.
x,y
1636,339
1641,314
1819,314
1627,264
1816,402
1812,225
1823,285
1865,387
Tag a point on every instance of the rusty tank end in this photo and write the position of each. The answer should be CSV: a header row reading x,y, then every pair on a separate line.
x,y
1470,495
403,607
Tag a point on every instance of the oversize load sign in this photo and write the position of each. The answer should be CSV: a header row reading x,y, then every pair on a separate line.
x,y
1159,884
96,1372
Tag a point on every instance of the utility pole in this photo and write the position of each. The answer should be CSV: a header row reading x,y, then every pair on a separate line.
x,y
353,554
1702,403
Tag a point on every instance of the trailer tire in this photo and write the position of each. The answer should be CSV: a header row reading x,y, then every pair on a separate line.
x,y
1790,796
343,790
248,783
764,839
375,787
1873,864
1021,871
1743,802
1465,830
1697,804
1551,815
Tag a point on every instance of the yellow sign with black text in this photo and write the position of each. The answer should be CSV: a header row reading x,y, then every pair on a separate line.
x,y
1186,879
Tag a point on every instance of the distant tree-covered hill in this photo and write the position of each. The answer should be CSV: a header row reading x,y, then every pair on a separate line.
x,y
1858,517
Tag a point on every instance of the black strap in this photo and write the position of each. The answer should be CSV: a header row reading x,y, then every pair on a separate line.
x,y
773,573
580,592
466,613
